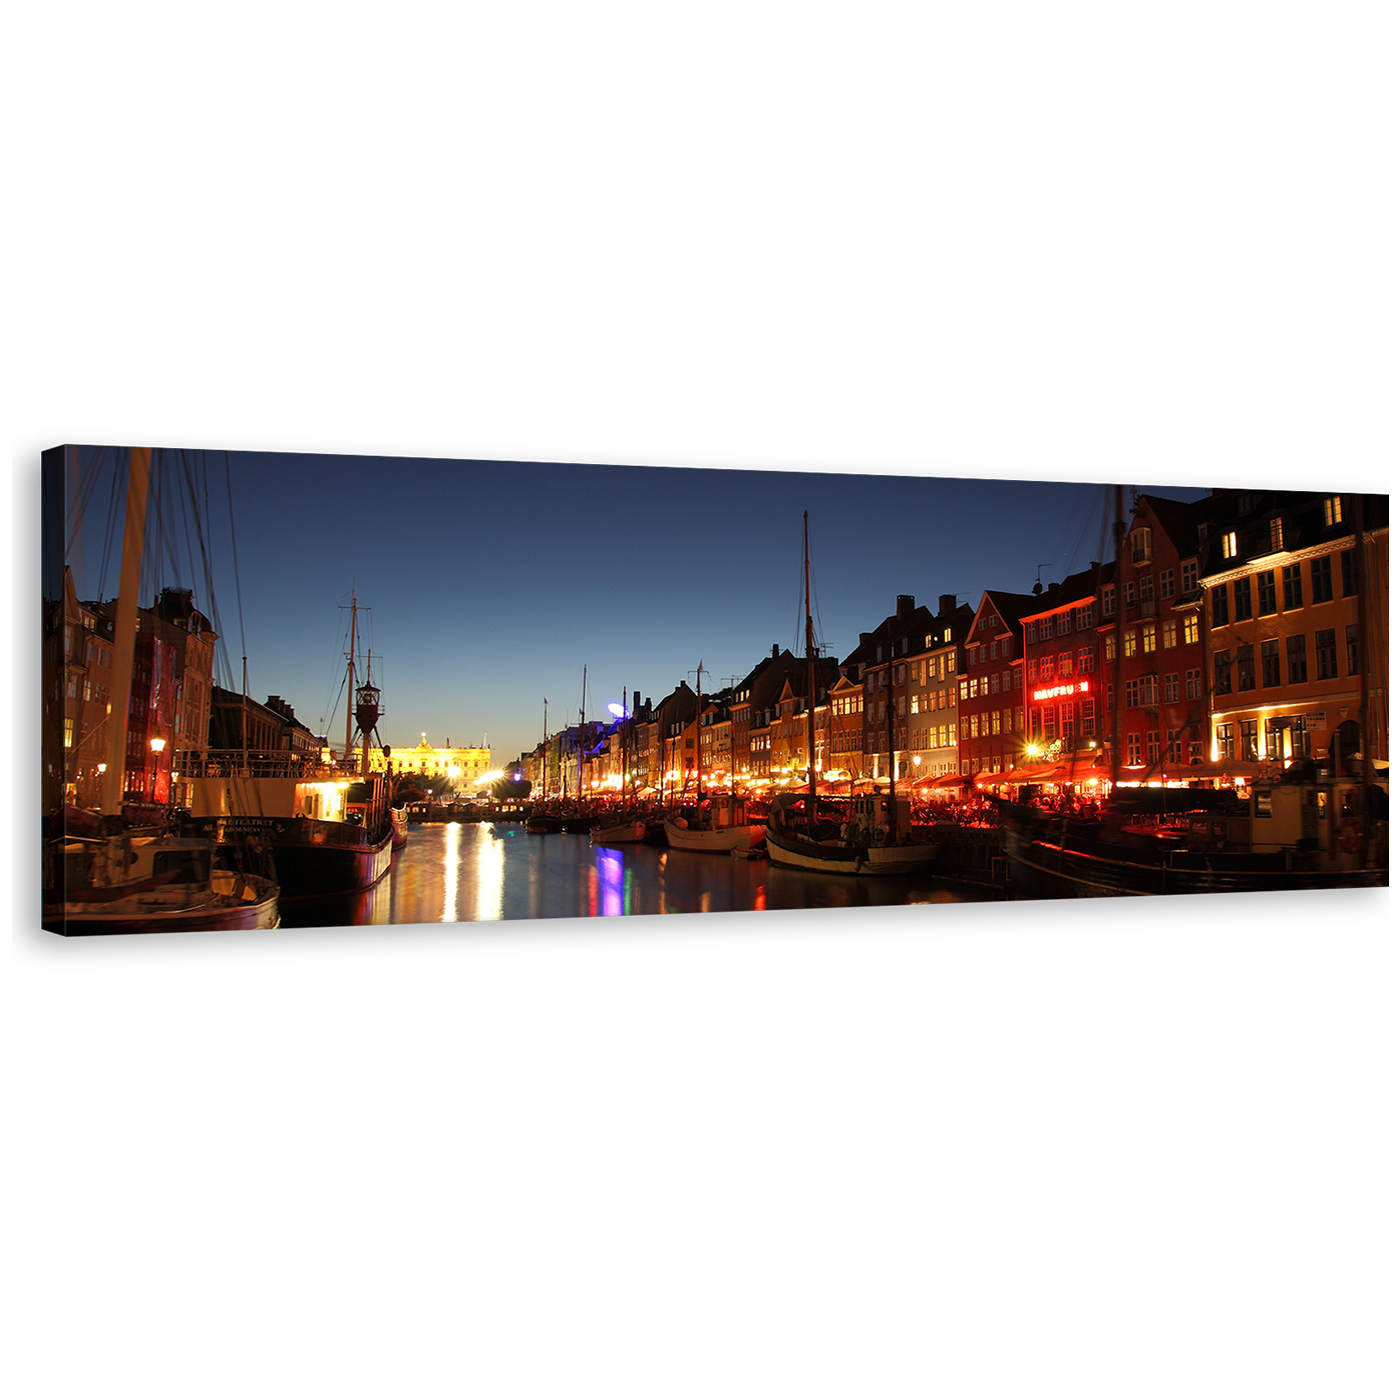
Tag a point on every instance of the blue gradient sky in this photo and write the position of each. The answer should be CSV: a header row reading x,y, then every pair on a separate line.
x,y
490,585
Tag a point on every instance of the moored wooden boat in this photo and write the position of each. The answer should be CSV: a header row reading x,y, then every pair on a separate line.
x,y
149,884
684,837
618,833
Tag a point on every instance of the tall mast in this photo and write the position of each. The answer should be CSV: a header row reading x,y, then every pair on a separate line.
x,y
124,634
1361,579
583,705
350,682
544,753
889,734
1116,711
811,647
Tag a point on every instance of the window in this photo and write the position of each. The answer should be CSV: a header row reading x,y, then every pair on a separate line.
x,y
1225,740
962,690
996,721
1016,680
1020,718
1191,630
1332,510
1067,719
1141,542
1134,750
1130,642
69,729
1193,684
1249,740
1173,746
1219,606
1348,574
1129,593
1268,655
1154,748
1276,534
1244,666
982,685
1190,578
1168,581
1168,634
1229,545
1110,647
1322,579
1087,719
995,683
1047,668
1148,588
1353,657
1066,664
1292,587
963,726
1006,680
1086,660
1083,617
1172,687
1297,660
1242,599
1110,602
1149,636
1063,624
1268,598
1327,654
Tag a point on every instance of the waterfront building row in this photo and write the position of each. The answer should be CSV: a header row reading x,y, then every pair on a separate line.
x,y
1248,628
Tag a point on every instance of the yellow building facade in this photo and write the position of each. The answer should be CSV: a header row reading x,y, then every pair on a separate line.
x,y
465,768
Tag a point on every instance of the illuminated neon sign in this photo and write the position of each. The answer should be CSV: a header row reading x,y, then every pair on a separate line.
x,y
1050,692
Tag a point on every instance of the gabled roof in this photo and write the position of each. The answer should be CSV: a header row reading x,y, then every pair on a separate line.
x,y
1009,607
1178,518
916,622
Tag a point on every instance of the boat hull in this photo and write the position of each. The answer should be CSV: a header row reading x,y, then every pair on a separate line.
x,y
798,853
307,870
236,902
622,834
725,838
1041,866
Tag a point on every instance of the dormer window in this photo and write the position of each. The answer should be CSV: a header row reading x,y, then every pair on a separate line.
x,y
1332,510
1276,534
1230,545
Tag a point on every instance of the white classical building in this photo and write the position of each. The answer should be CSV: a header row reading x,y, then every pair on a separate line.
x,y
466,766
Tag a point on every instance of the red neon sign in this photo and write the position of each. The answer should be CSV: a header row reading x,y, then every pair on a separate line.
x,y
1050,692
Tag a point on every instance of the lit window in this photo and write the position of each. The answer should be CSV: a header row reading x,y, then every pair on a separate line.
x,y
1230,545
1276,534
1332,510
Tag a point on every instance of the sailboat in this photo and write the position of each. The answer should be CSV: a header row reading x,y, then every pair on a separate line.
x,y
101,875
332,831
866,835
721,822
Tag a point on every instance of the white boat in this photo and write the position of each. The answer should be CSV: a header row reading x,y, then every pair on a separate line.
x,y
717,836
149,884
618,834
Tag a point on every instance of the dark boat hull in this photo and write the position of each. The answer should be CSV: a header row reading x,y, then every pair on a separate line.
x,y
1044,862
310,858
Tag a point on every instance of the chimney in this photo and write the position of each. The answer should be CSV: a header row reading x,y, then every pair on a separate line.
x,y
637,700
904,605
775,651
947,603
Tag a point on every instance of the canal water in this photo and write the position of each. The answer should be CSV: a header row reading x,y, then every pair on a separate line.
x,y
474,872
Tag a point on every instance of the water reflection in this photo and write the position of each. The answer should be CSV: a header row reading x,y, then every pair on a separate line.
x,y
480,873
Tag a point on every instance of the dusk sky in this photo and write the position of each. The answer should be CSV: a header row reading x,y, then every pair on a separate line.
x,y
490,585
